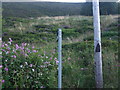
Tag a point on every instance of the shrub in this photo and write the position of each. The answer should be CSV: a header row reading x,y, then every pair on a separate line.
x,y
28,67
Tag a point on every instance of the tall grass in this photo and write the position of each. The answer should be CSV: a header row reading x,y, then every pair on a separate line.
x,y
77,52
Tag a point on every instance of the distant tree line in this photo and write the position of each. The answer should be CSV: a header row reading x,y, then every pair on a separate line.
x,y
37,9
106,8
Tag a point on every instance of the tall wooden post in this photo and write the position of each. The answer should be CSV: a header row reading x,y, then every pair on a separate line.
x,y
97,45
60,59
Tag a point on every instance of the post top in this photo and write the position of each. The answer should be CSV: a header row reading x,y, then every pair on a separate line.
x,y
59,29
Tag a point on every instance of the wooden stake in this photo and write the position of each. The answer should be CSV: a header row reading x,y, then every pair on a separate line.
x,y
97,45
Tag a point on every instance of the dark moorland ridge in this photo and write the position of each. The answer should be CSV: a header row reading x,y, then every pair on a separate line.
x,y
36,9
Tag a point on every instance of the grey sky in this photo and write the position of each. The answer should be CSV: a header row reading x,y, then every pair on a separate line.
x,y
57,0
17,0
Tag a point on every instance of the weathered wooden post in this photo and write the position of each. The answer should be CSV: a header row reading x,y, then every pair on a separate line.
x,y
97,45
60,58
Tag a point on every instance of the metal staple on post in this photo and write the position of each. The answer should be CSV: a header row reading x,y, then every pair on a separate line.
x,y
97,45
60,58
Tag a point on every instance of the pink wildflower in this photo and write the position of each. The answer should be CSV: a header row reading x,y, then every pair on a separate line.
x,y
34,51
69,58
42,87
28,51
26,55
55,58
0,66
8,48
33,46
6,45
23,44
57,61
17,47
31,65
6,69
3,81
7,52
3,50
51,58
13,56
2,45
10,39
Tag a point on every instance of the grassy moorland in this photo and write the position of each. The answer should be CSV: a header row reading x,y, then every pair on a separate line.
x,y
30,52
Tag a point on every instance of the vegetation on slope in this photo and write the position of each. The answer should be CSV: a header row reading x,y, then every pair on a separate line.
x,y
30,60
38,9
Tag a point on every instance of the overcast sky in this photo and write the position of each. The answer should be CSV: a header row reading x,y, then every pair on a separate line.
x,y
43,0
56,0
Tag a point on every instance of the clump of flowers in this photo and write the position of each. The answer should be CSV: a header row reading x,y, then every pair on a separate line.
x,y
27,64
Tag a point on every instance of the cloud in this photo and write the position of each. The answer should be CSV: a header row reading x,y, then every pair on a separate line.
x,y
103,0
43,0
17,0
57,0
63,0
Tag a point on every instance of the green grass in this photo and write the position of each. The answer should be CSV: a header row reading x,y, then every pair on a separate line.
x,y
77,49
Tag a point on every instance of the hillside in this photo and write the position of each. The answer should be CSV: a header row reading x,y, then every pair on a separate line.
x,y
37,9
28,9
31,57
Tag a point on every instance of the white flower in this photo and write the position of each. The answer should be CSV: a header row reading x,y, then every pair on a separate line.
x,y
26,63
46,56
21,66
9,43
7,52
33,70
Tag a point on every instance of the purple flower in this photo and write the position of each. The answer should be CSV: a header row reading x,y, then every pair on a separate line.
x,y
8,48
26,55
3,50
17,47
3,81
46,62
31,65
6,45
7,52
42,87
69,58
13,56
57,61
2,45
22,48
51,58
6,69
34,51
28,51
39,55
55,58
33,46
24,44
10,39
0,66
